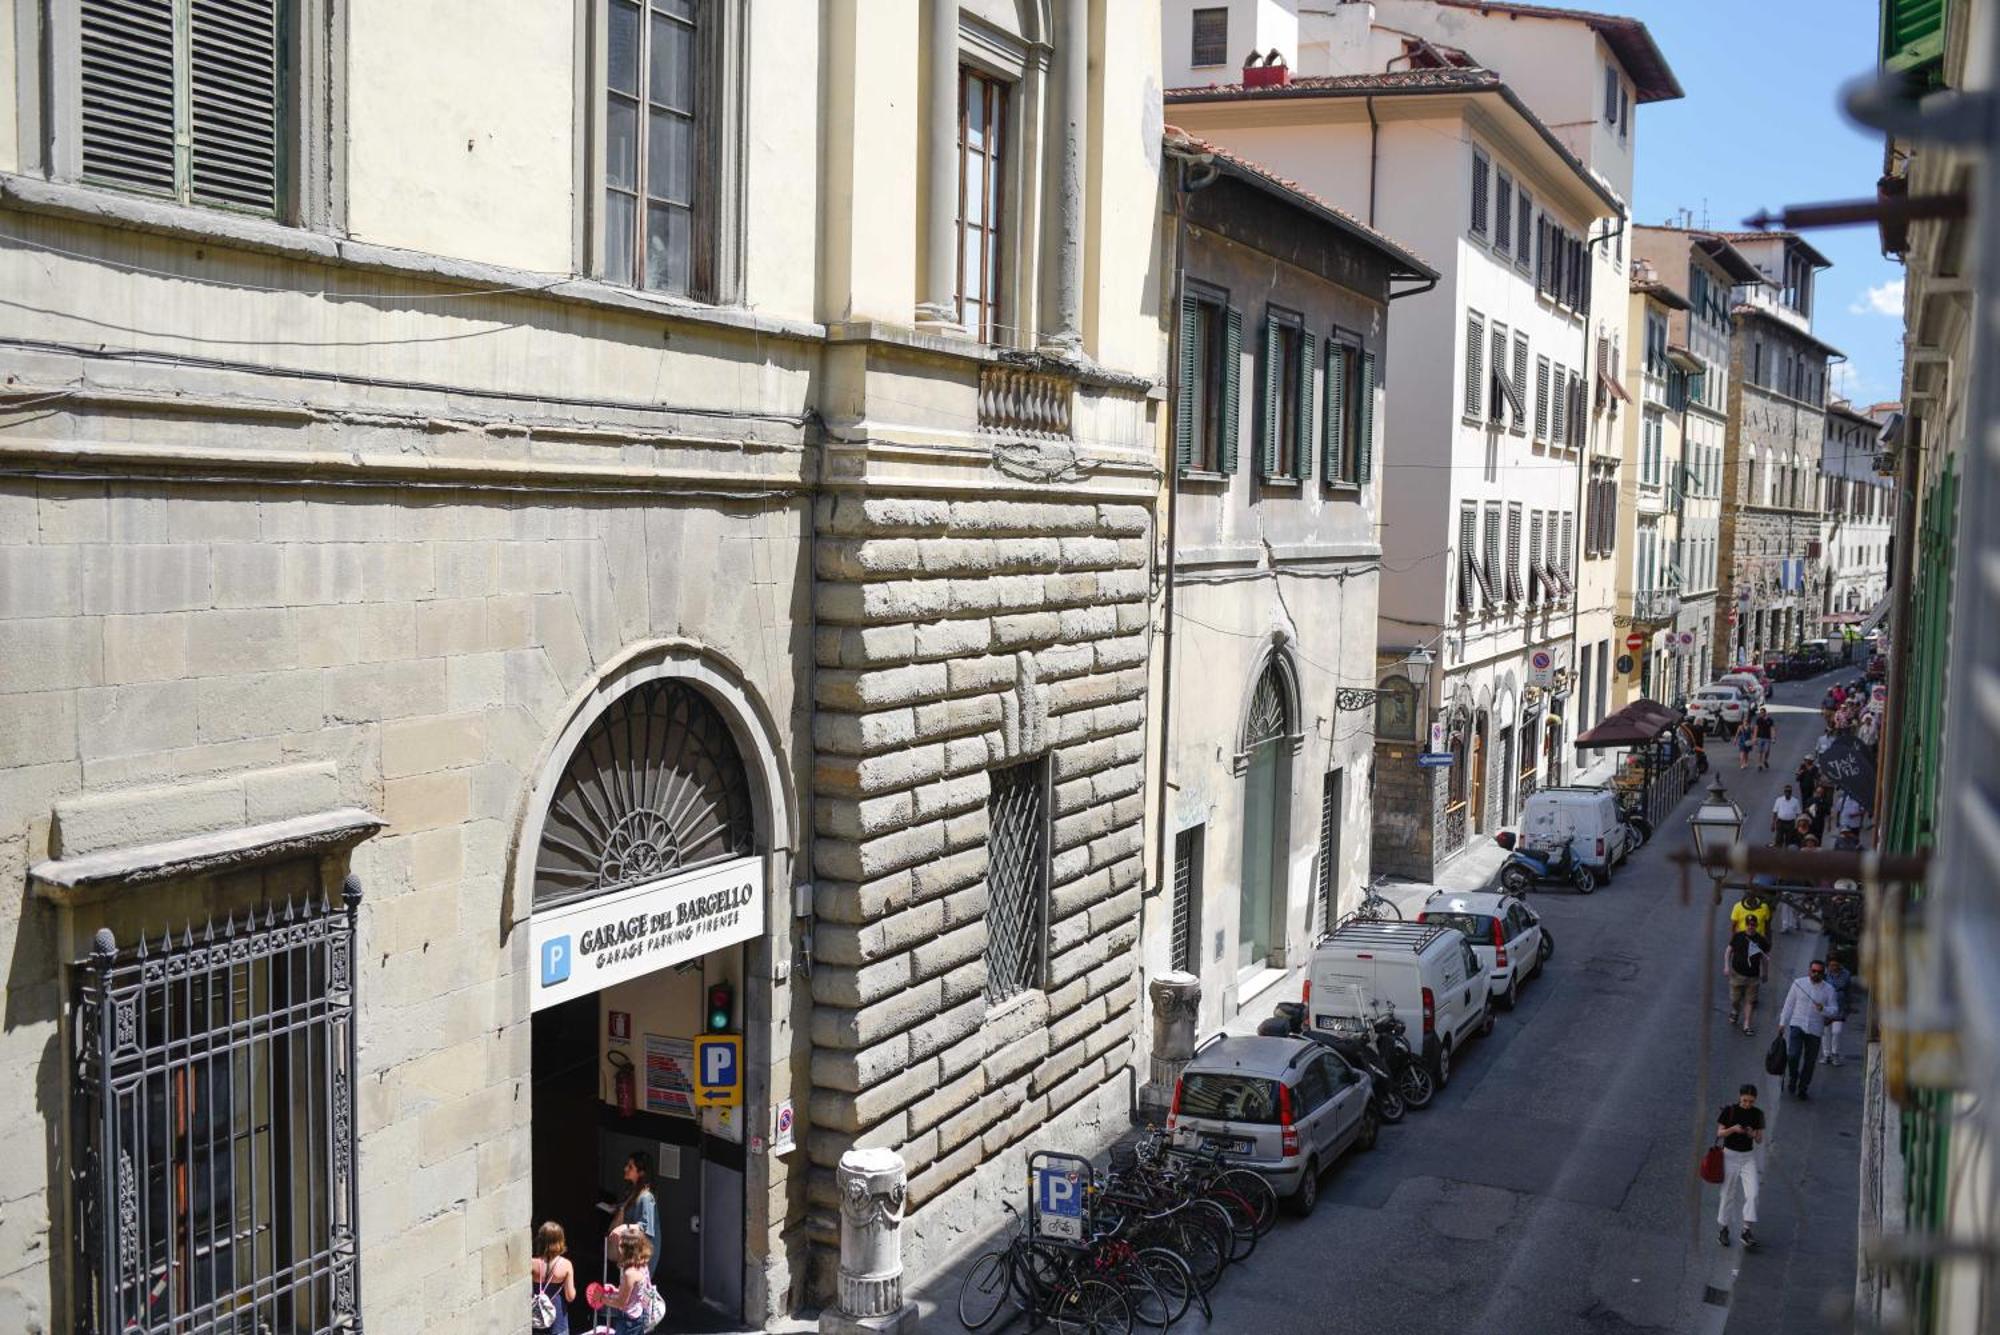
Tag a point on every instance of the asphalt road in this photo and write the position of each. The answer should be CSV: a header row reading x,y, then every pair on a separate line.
x,y
1547,1189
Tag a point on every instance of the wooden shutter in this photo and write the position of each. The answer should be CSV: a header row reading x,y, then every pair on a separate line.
x,y
1468,559
1520,423
1475,365
233,100
1187,366
1541,398
1480,169
1559,411
1503,214
1364,423
1333,464
1524,250
1514,552
1302,451
1534,558
1498,400
1610,95
126,54
1492,581
1267,419
1232,391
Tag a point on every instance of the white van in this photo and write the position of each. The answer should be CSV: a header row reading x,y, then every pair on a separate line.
x,y
1588,817
1427,973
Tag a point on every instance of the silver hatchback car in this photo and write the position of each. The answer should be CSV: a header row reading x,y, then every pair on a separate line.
x,y
1283,1107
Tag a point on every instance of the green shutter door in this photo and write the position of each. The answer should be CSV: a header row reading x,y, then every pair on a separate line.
x,y
1335,434
1913,37
1267,418
1187,369
1364,453
1232,390
1302,455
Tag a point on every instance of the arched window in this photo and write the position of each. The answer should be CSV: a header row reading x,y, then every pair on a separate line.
x,y
1269,730
655,786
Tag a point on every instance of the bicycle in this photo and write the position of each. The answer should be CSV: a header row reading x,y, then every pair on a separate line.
x,y
1374,906
1049,1283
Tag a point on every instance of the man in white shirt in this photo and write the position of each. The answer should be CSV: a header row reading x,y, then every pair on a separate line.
x,y
1809,1004
1784,817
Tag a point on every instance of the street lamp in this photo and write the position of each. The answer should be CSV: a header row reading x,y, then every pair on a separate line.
x,y
1416,667
1717,825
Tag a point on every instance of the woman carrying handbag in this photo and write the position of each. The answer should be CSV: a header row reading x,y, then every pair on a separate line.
x,y
1739,1130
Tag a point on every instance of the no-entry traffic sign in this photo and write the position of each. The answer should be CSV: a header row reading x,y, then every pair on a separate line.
x,y
1635,642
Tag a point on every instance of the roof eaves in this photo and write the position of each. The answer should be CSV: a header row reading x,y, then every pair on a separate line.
x,y
1745,308
1629,39
1791,238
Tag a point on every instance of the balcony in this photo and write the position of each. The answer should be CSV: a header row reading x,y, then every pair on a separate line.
x,y
1656,605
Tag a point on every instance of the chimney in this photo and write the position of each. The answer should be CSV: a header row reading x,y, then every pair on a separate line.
x,y
1272,72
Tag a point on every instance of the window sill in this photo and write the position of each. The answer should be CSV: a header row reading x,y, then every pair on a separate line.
x,y
1346,488
1281,483
1206,476
109,208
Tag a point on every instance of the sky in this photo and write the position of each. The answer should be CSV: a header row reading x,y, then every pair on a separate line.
x,y
1761,127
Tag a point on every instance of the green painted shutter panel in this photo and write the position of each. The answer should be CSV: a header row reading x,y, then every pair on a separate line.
x,y
1232,390
1912,35
1364,426
1267,418
1302,454
1335,410
1188,369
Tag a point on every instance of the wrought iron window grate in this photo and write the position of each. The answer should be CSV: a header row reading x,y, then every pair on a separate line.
x,y
1017,879
1187,900
214,1151
1270,712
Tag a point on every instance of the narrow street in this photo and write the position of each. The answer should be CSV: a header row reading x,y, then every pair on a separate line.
x,y
1548,1187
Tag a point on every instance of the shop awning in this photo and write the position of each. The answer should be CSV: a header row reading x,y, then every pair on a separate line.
x,y
1636,724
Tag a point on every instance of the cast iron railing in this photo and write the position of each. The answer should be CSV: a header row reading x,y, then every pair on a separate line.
x,y
214,1139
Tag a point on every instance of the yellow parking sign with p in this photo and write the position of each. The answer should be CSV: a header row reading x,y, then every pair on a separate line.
x,y
718,1071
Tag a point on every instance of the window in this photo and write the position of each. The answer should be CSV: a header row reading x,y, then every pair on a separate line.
x,y
658,223
1481,170
1017,878
1568,550
1503,215
1541,398
1519,399
1185,952
1537,577
1468,557
215,1156
1656,344
1329,849
1475,365
1651,448
186,99
1206,409
1610,95
1492,580
1289,377
1559,425
1211,37
1503,398
1513,580
982,148
1624,111
1524,221
1348,415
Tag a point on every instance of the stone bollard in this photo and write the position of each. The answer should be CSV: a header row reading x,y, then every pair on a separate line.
x,y
1176,999
871,1186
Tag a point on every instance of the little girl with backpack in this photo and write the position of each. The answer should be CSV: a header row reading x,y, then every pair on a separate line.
x,y
555,1282
635,1306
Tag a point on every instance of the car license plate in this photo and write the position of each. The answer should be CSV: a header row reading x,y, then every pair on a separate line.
x,y
1227,1144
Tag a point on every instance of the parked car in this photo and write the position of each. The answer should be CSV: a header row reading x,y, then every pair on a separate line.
x,y
1589,817
1718,708
1426,974
1504,933
1759,672
1285,1108
1753,688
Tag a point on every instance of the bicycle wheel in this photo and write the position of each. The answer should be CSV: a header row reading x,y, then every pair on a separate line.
x,y
984,1290
1201,1250
1092,1307
1242,1220
1149,1302
1254,1188
1173,1278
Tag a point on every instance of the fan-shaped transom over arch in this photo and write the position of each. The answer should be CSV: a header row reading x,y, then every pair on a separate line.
x,y
1270,717
655,786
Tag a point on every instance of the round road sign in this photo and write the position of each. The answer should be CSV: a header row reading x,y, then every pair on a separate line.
x,y
1635,642
1625,664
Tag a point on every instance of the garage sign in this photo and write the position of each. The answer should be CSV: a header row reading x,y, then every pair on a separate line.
x,y
585,947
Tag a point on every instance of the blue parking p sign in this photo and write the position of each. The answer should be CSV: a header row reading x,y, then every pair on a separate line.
x,y
718,1071
1059,1202
555,961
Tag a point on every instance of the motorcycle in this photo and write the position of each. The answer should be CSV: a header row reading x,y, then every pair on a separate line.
x,y
1527,866
1289,1021
1628,807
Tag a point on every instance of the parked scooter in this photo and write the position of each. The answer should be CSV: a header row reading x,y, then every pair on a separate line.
x,y
1379,1045
1527,866
1290,1021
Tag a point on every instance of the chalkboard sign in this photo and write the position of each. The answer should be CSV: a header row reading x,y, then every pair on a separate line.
x,y
1850,767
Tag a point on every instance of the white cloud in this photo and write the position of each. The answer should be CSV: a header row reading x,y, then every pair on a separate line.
x,y
1882,299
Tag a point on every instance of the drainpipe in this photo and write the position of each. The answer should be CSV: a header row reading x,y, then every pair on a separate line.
x,y
1374,154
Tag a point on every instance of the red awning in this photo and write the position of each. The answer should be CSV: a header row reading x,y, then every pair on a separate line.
x,y
1611,383
1636,724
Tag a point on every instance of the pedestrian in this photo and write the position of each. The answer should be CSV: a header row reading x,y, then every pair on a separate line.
x,y
1752,908
1851,815
1785,813
1746,737
1819,810
1837,977
630,1306
1746,961
1807,775
555,1282
638,1210
1739,1129
1808,1004
1767,729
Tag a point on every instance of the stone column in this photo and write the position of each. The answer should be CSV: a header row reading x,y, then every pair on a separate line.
x,y
1176,999
871,1185
1065,336
937,309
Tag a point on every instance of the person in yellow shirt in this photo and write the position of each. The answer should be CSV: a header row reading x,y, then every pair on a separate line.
x,y
1753,907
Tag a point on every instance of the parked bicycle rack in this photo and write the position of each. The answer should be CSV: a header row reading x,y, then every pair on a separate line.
x,y
1062,1195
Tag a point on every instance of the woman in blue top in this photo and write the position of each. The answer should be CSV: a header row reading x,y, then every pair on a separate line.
x,y
639,1210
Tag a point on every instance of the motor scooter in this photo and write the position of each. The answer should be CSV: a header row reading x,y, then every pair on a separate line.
x,y
1528,865
1290,1021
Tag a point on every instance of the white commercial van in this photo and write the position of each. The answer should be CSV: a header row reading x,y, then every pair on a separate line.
x,y
1427,973
1588,817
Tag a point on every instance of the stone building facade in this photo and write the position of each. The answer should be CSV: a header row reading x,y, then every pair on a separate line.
x,y
633,585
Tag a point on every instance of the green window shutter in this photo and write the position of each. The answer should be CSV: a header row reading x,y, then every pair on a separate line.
x,y
1188,369
1267,417
1364,426
1302,455
1335,410
1913,37
1232,390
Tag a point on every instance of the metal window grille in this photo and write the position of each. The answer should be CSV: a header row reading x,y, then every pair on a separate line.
x,y
655,786
1329,847
184,98
1211,37
1187,900
1017,878
214,1134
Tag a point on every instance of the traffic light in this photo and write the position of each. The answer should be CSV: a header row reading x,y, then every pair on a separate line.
x,y
721,1007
